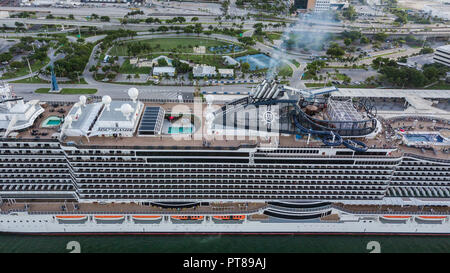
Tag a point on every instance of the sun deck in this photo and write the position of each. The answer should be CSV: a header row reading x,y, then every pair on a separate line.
x,y
36,131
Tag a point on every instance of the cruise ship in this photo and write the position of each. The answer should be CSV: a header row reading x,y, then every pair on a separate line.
x,y
280,160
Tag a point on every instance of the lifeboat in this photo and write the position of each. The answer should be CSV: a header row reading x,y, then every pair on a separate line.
x,y
188,217
432,218
109,217
71,217
230,217
396,217
146,217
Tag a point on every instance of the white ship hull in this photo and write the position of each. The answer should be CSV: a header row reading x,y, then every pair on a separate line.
x,y
349,224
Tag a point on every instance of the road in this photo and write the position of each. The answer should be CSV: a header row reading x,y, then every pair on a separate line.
x,y
419,30
118,91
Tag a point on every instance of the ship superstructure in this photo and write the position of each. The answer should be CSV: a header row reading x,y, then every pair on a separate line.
x,y
280,153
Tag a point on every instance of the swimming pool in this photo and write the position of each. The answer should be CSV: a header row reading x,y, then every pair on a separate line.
x,y
225,48
51,121
180,130
258,61
435,138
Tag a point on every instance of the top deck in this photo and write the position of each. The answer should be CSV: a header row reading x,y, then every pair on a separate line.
x,y
199,138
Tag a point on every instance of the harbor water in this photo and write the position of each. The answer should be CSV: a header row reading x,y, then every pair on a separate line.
x,y
10,243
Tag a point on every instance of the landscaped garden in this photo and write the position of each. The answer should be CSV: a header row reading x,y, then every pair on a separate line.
x,y
175,45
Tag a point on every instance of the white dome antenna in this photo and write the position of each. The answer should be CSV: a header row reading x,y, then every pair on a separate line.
x,y
83,100
126,110
106,100
133,93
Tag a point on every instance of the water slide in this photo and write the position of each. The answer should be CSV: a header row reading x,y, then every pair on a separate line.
x,y
330,138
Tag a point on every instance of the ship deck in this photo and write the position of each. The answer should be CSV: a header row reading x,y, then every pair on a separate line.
x,y
200,139
130,208
47,132
392,209
213,208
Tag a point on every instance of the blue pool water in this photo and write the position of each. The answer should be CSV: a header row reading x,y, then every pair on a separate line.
x,y
424,137
180,130
256,61
225,48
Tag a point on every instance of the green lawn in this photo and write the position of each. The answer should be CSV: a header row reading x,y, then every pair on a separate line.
x,y
25,70
285,70
297,64
128,68
440,85
36,79
176,45
69,91
274,36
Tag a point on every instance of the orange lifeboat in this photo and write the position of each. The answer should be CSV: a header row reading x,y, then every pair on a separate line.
x,y
71,217
188,217
230,217
109,217
396,217
432,218
146,217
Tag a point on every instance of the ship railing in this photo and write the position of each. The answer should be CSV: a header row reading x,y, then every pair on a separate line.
x,y
419,118
427,158
211,212
323,156
12,210
163,148
390,212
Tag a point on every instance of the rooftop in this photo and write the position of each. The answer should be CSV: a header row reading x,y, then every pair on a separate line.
x,y
445,48
204,70
163,69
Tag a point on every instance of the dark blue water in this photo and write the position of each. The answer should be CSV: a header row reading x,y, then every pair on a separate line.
x,y
224,244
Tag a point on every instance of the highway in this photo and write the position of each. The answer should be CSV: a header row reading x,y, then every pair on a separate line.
x,y
417,30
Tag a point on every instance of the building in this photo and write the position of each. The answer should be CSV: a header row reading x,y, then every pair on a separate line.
x,y
134,61
312,5
106,59
199,49
226,73
204,71
163,70
227,60
144,63
321,5
442,55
